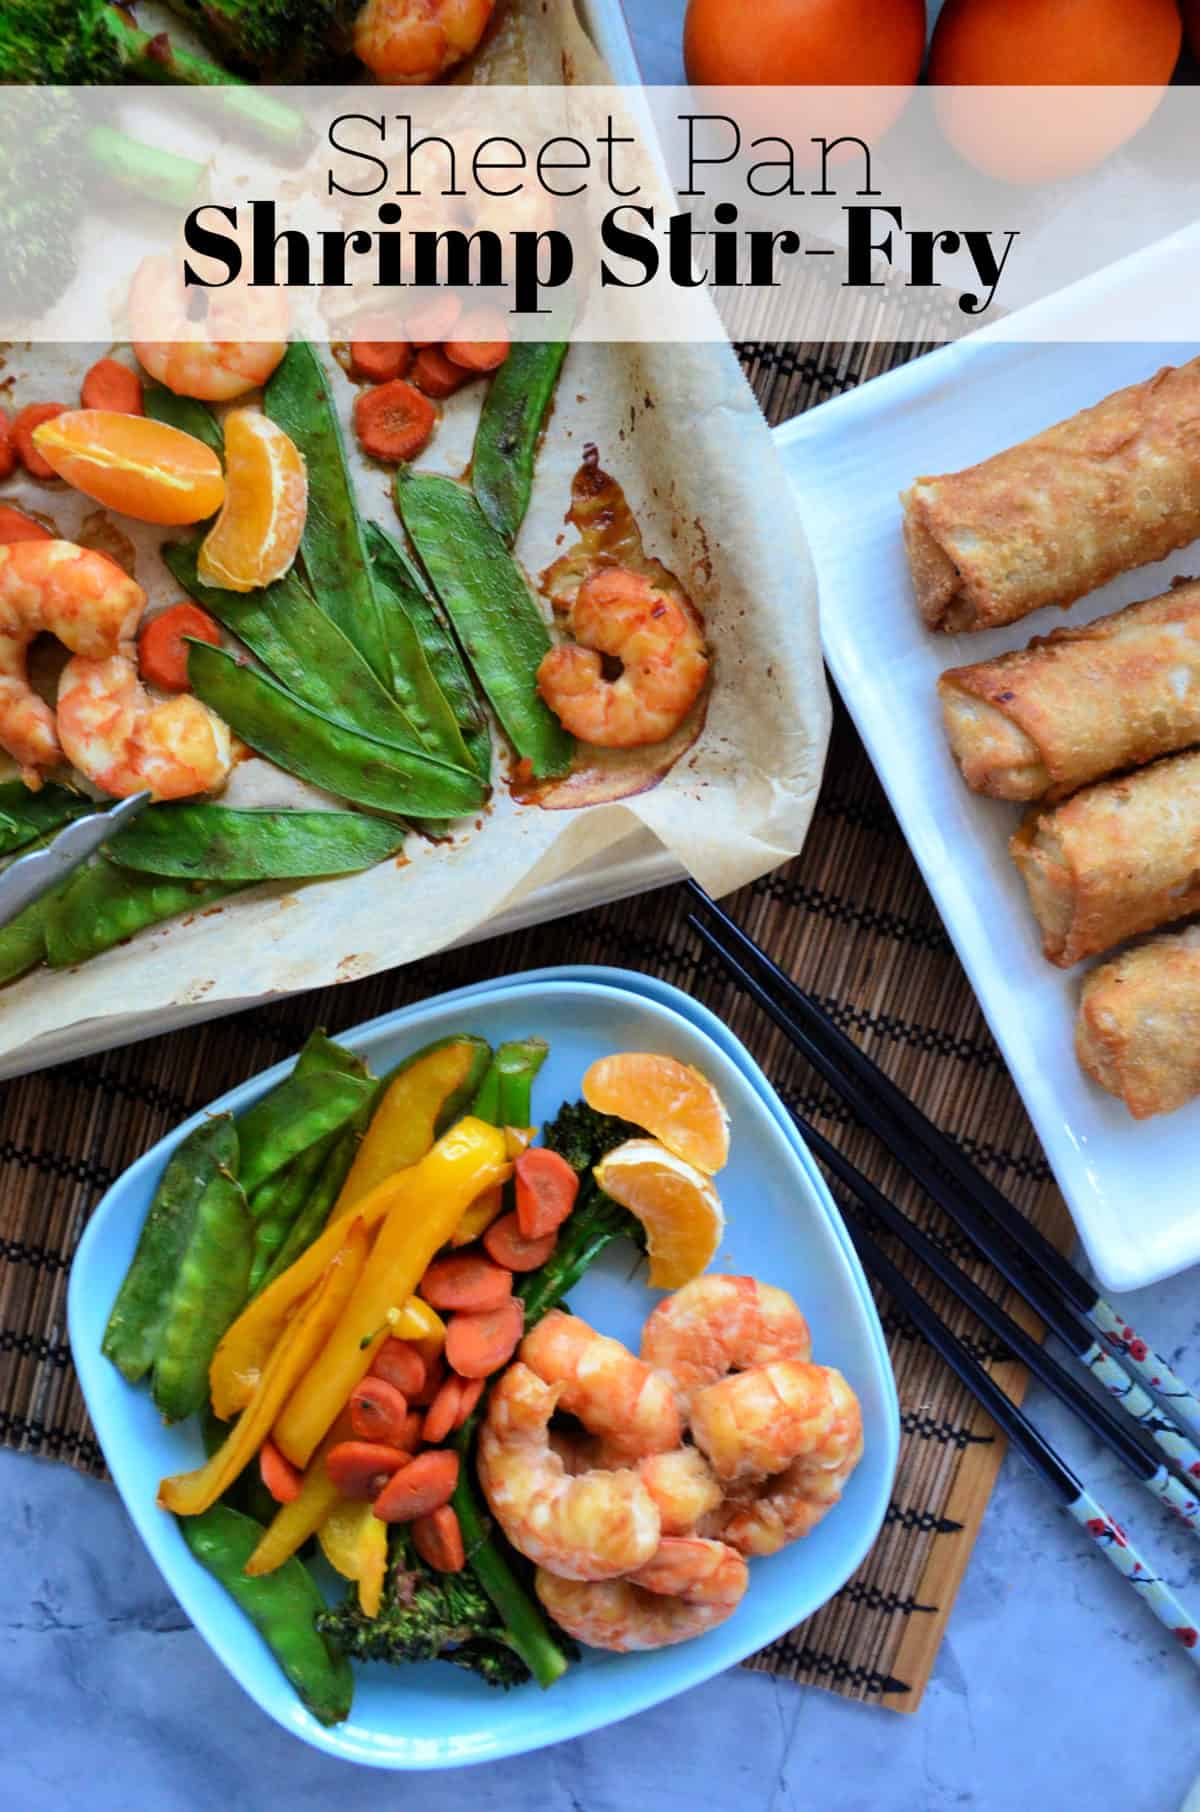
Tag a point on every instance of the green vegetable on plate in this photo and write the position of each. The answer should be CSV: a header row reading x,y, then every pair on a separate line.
x,y
302,647
299,400
409,592
510,427
346,762
139,1314
304,1108
102,905
216,843
210,1287
26,816
494,614
283,1606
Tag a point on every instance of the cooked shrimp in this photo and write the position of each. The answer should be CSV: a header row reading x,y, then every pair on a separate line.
x,y
415,41
123,742
757,1422
210,359
684,1487
660,645
593,1526
718,1324
611,1391
782,1508
84,599
706,1581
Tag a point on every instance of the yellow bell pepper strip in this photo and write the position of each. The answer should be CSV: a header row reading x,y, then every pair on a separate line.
x,y
485,1209
293,1523
243,1352
432,1197
519,1139
355,1543
190,1493
417,1321
424,1096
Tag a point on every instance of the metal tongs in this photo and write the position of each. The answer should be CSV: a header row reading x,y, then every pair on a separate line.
x,y
29,877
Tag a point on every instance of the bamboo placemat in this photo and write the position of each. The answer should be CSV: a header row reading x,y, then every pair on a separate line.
x,y
850,917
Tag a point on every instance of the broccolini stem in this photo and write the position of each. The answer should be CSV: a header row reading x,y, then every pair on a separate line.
x,y
593,1226
155,59
527,1628
518,1063
148,170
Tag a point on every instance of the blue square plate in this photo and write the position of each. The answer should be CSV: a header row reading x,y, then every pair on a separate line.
x,y
783,1227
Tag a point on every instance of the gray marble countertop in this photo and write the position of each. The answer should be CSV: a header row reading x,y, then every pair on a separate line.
x,y
1053,1687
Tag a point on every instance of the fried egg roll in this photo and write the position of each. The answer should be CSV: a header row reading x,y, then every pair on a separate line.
x,y
1117,859
1138,1031
1111,488
1079,703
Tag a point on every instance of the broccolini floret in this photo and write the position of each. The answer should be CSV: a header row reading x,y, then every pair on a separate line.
x,y
426,1616
274,40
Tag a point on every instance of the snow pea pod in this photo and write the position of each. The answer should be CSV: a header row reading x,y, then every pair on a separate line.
x,y
310,1222
277,1204
304,1108
210,1287
301,646
102,905
139,1313
510,427
491,607
442,653
299,400
185,413
217,843
281,1605
416,687
23,941
302,741
26,816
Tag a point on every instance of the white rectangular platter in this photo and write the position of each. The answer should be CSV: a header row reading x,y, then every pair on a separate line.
x,y
1131,1187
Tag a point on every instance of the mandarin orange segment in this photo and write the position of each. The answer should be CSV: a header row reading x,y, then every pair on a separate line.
x,y
670,1099
676,1204
255,538
139,467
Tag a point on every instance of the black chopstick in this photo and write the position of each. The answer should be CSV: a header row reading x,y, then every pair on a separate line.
x,y
864,1087
1129,1442
1072,1493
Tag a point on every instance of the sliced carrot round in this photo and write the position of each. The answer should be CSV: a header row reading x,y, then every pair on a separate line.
x,y
111,385
162,645
435,1371
360,1469
481,341
378,1412
506,1243
402,1365
438,1540
478,1345
465,1280
546,1188
144,469
419,1488
471,1389
380,349
437,375
393,421
25,424
442,1414
15,525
